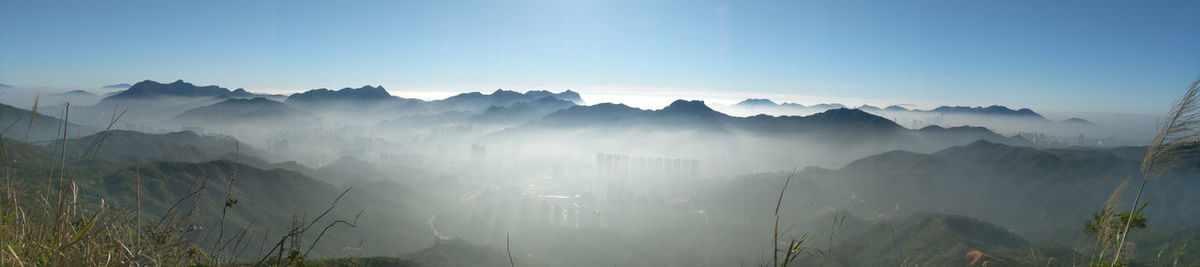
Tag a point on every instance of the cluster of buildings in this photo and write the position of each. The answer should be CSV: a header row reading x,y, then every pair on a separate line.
x,y
614,167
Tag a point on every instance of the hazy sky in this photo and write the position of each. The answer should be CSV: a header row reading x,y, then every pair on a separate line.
x,y
1125,56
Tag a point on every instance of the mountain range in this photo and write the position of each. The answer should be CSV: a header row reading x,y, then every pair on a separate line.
x,y
117,86
904,192
233,110
767,105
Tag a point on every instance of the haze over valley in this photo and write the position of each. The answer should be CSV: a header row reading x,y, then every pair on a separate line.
x,y
599,133
686,181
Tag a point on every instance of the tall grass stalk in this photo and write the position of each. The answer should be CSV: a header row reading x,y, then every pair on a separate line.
x,y
1167,150
778,204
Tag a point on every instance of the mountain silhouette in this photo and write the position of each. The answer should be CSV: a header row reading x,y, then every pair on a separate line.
x,y
476,101
568,95
76,93
1078,121
753,102
930,239
238,109
150,89
365,93
116,86
989,110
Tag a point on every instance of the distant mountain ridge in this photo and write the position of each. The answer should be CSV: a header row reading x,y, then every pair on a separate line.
x,y
17,125
116,86
994,110
933,240
243,108
76,93
365,93
500,98
151,89
567,95
697,116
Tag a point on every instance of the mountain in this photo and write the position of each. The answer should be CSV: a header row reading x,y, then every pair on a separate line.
x,y
831,126
5,85
681,114
361,94
691,109
127,147
965,134
827,106
928,240
116,86
754,106
830,138
869,108
594,115
842,120
16,125
243,94
521,112
152,102
1048,188
76,93
475,101
244,109
150,89
989,110
895,108
1078,122
266,198
756,102
568,95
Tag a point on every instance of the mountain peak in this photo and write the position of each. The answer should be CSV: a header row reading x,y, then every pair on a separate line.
x,y
995,110
179,88
571,96
854,116
377,91
756,102
1078,121
366,92
688,106
116,86
506,93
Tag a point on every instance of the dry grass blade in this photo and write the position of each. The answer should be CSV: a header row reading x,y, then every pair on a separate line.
x,y
1104,222
32,117
507,244
15,256
86,226
229,202
778,204
1178,131
352,224
1177,136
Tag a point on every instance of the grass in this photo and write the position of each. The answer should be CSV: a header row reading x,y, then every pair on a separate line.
x,y
50,224
1167,151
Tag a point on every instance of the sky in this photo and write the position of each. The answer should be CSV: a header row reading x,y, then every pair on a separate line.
x,y
1094,56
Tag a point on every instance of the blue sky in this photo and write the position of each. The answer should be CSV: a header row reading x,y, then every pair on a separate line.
x,y
1113,56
